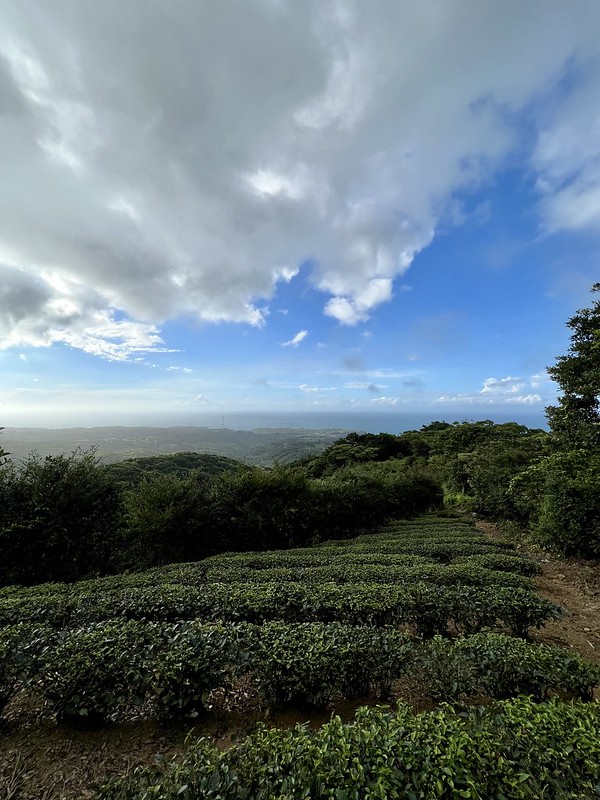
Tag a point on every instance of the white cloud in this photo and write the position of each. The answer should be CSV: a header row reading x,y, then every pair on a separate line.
x,y
350,311
499,391
162,160
386,401
503,385
306,387
567,158
295,340
45,310
540,379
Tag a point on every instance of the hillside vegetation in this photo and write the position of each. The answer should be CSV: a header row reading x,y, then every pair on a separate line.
x,y
429,602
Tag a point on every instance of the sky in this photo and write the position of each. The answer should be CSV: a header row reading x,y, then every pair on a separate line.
x,y
283,207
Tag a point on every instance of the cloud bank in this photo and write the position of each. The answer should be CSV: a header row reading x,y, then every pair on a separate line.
x,y
162,160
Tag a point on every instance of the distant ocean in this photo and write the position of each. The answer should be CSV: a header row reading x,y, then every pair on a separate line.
x,y
389,422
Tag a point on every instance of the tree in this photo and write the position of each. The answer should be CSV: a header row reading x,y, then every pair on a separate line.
x,y
165,520
575,421
562,492
59,519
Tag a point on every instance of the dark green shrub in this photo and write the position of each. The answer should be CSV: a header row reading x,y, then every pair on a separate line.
x,y
20,649
193,660
501,667
59,519
568,515
308,663
94,672
166,520
513,750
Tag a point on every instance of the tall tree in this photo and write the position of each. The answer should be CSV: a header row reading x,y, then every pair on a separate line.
x,y
575,421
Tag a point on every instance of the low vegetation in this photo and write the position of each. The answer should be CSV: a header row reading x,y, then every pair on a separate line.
x,y
515,750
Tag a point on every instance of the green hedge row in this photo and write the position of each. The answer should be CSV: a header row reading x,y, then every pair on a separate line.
x,y
317,557
311,557
107,669
427,608
110,668
442,575
500,666
443,551
513,750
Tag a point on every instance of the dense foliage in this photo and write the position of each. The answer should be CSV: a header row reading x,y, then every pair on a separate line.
x,y
132,471
511,750
564,488
575,420
59,519
64,518
163,640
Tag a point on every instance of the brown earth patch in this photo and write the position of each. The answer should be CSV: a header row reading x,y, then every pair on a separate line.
x,y
573,584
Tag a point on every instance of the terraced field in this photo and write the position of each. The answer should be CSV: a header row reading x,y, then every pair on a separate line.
x,y
429,603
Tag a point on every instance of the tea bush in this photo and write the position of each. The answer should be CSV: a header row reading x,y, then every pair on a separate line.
x,y
94,672
500,667
512,750
425,607
307,663
20,649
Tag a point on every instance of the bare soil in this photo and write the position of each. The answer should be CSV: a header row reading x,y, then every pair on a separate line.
x,y
40,760
573,584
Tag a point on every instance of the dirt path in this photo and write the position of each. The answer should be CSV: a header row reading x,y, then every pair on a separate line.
x,y
574,585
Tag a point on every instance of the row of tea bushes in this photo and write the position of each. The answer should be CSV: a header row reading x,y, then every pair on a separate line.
x,y
112,668
309,558
426,608
499,666
512,750
466,574
411,542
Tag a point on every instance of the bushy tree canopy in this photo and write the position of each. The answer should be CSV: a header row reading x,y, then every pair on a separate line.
x,y
59,518
575,421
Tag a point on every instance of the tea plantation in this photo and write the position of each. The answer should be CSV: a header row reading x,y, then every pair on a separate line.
x,y
429,602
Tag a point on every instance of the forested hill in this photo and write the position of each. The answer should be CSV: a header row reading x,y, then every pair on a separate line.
x,y
132,470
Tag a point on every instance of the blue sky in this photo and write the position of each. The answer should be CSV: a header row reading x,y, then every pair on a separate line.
x,y
268,206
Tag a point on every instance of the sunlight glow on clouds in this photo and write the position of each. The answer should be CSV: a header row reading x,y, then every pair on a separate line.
x,y
163,160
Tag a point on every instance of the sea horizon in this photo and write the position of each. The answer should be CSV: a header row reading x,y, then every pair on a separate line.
x,y
368,422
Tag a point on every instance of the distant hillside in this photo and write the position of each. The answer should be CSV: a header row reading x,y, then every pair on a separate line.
x,y
132,470
261,446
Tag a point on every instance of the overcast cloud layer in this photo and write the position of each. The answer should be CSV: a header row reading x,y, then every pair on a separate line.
x,y
181,158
